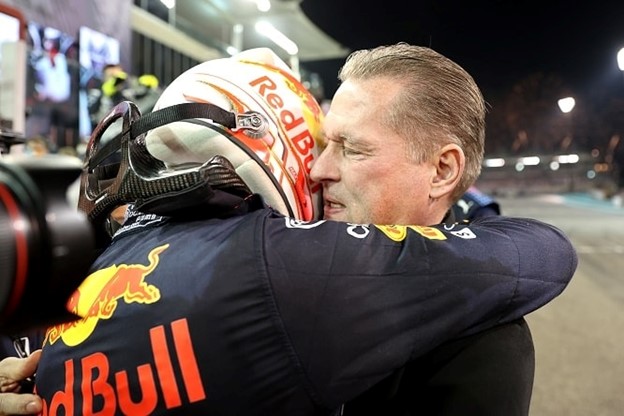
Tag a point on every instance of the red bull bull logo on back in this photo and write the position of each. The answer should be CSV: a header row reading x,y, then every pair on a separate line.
x,y
98,296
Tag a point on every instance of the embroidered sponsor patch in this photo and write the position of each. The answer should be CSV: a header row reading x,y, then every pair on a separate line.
x,y
304,225
136,219
465,233
399,232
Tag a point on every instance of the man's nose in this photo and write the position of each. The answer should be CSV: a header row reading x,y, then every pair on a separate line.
x,y
323,167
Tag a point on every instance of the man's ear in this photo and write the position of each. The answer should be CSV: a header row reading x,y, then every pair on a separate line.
x,y
449,162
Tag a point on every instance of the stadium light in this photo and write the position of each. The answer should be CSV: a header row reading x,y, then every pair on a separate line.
x,y
620,59
263,5
529,160
571,158
566,104
495,162
277,37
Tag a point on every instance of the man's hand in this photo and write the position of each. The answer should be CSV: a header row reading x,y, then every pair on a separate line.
x,y
12,371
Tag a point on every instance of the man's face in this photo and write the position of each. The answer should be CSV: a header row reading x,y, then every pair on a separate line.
x,y
365,170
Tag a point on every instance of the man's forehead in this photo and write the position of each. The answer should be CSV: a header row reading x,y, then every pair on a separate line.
x,y
342,120
353,96
356,110
363,101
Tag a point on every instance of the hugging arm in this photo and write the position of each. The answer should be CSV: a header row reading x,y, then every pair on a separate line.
x,y
364,300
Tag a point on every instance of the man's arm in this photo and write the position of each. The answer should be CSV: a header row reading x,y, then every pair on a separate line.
x,y
13,370
360,301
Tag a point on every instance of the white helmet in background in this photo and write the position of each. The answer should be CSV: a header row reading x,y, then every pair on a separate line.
x,y
275,165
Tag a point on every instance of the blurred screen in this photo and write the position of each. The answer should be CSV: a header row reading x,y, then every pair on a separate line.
x,y
52,77
96,51
9,33
10,28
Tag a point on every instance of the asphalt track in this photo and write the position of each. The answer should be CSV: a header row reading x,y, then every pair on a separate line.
x,y
579,337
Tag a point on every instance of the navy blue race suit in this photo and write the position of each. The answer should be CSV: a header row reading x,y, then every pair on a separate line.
x,y
264,315
488,373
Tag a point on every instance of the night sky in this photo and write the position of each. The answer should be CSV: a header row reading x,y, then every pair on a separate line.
x,y
498,42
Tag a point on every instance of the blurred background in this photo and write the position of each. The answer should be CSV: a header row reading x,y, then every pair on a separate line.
x,y
551,72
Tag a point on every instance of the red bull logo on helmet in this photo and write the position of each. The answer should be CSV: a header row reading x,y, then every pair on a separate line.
x,y
296,87
301,129
98,296
296,117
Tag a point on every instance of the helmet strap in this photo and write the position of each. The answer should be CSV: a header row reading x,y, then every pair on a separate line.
x,y
209,189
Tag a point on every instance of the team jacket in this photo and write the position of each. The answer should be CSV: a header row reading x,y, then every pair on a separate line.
x,y
265,315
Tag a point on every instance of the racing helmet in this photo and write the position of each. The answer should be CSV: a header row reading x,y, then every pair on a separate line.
x,y
273,161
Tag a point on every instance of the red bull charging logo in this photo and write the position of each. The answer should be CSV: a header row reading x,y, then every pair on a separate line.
x,y
98,297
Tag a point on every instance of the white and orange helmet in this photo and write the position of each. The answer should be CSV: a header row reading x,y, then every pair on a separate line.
x,y
275,163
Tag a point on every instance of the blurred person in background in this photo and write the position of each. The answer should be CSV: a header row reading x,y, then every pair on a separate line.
x,y
118,86
49,84
52,81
